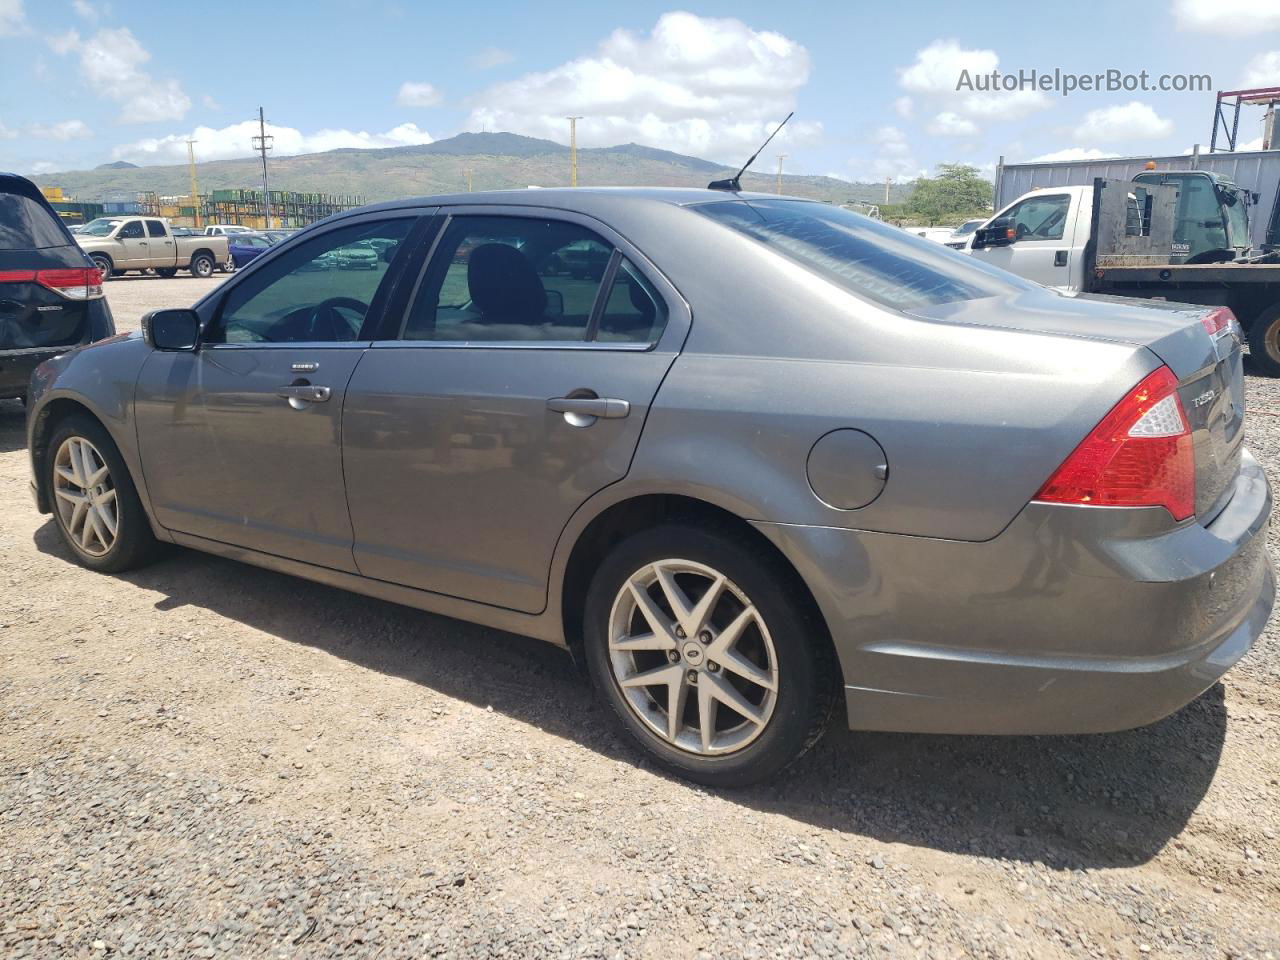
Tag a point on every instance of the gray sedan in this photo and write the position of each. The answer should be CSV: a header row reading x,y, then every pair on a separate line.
x,y
770,461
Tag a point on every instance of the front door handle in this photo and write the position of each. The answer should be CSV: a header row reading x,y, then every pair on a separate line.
x,y
301,394
584,411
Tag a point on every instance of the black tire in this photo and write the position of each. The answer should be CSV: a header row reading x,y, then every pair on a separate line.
x,y
808,681
104,265
134,544
166,272
1264,342
202,265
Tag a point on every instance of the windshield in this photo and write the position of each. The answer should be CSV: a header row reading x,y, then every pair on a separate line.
x,y
99,228
968,227
867,257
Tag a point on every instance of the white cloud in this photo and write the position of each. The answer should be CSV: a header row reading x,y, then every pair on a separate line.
x,y
1238,17
89,11
209,103
1262,71
490,57
711,87
1130,121
110,63
418,95
904,107
1072,153
13,20
42,166
937,70
7,134
892,157
948,124
235,141
63,130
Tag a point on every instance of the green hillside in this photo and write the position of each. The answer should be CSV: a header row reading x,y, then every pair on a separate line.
x,y
497,161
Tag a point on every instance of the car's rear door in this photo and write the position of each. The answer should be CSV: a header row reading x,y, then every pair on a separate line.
x,y
241,441
512,392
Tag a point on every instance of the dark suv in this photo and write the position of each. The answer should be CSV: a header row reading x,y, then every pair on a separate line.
x,y
50,292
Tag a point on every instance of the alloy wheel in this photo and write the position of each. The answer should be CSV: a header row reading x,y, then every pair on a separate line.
x,y
693,657
85,496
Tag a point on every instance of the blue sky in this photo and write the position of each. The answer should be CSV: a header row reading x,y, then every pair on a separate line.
x,y
83,82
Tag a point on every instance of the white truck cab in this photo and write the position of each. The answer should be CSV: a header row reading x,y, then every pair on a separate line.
x,y
1047,232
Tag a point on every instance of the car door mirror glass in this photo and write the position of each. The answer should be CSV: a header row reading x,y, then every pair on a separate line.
x,y
172,330
555,303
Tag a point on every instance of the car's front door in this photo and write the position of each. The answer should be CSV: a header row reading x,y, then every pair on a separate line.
x,y
516,388
241,440
1044,232
132,250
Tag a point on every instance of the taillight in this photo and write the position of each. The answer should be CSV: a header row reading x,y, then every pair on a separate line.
x,y
1140,455
74,283
1215,321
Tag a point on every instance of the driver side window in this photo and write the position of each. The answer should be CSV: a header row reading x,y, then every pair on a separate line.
x,y
1040,218
318,292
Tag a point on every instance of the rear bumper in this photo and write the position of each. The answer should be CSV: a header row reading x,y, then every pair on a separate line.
x,y
1073,620
16,367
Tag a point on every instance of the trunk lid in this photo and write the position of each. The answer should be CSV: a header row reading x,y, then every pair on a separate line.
x,y
32,315
1209,368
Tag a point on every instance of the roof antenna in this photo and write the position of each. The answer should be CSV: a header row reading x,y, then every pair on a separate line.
x,y
732,183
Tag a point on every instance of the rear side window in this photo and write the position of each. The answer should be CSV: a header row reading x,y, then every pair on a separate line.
x,y
500,279
155,228
869,258
25,224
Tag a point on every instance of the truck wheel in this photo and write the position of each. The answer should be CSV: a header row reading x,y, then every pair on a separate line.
x,y
202,266
1264,342
167,272
103,263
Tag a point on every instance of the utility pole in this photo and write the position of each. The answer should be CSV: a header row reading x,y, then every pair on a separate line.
x,y
781,157
573,150
195,193
887,181
262,143
468,179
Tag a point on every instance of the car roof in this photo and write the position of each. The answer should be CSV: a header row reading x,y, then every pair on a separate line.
x,y
588,200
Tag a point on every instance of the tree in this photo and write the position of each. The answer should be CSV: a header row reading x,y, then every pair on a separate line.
x,y
956,193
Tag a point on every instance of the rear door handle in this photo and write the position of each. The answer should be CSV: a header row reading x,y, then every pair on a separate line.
x,y
584,411
299,395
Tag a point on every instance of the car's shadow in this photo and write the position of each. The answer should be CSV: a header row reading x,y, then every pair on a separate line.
x,y
13,426
1068,802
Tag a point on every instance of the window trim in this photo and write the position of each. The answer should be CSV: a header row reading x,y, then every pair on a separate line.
x,y
397,268
679,314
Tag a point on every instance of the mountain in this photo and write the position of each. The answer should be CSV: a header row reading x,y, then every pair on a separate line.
x,y
496,161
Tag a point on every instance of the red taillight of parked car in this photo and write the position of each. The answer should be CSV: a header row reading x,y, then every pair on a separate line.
x,y
74,283
1215,321
1140,455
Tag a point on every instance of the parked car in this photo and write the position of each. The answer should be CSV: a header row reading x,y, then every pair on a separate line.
x,y
120,244
962,234
225,229
50,292
357,256
936,234
247,247
780,458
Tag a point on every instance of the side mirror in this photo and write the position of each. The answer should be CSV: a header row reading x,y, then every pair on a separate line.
x,y
174,330
555,304
1000,232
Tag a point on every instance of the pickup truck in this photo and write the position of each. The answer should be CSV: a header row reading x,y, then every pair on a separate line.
x,y
1177,236
119,244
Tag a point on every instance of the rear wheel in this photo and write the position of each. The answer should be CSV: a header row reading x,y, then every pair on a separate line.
x,y
202,265
95,504
694,641
1264,342
103,263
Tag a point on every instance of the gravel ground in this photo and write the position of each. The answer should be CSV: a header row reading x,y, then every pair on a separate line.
x,y
204,759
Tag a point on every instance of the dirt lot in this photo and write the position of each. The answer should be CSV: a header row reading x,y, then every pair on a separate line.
x,y
205,759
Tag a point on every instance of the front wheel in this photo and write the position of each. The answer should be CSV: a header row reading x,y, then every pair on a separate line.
x,y
1264,342
695,642
95,504
202,266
